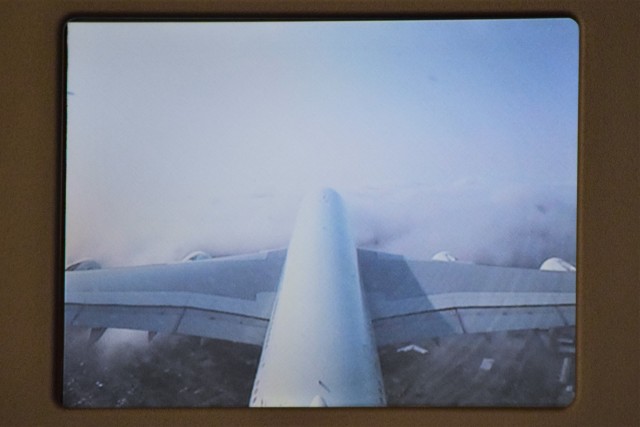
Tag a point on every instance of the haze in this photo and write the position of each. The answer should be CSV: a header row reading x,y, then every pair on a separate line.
x,y
440,135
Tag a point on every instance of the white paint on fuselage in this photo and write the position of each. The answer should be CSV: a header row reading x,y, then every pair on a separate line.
x,y
319,346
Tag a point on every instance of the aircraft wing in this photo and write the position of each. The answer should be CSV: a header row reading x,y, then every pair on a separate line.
x,y
413,300
228,298
232,298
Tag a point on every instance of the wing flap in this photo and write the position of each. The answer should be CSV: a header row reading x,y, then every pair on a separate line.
x,y
475,320
247,330
155,319
432,324
171,320
260,307
416,327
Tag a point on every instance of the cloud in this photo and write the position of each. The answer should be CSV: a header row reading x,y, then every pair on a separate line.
x,y
501,225
509,225
207,136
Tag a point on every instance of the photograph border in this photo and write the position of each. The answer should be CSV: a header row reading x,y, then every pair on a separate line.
x,y
31,170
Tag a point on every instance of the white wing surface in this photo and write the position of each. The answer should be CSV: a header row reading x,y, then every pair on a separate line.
x,y
228,298
412,300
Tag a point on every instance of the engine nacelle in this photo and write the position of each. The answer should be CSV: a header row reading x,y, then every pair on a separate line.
x,y
556,264
197,256
84,264
444,256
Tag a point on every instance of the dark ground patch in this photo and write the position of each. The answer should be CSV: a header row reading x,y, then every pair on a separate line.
x,y
179,371
525,370
171,371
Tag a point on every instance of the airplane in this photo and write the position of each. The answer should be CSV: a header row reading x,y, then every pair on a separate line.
x,y
321,308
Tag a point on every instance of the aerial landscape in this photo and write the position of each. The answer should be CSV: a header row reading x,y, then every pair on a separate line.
x,y
206,268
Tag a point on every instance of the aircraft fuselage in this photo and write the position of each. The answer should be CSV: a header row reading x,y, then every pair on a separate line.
x,y
319,348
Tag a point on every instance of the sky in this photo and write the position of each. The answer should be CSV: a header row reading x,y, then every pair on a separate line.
x,y
439,135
